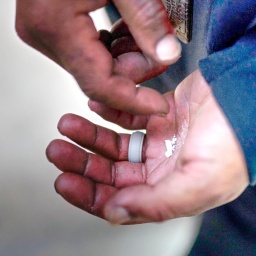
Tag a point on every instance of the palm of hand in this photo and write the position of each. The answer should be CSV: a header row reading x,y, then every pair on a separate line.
x,y
207,168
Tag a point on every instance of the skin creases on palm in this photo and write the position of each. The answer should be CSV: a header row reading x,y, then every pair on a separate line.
x,y
159,129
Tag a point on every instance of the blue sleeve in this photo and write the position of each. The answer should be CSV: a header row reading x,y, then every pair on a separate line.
x,y
230,69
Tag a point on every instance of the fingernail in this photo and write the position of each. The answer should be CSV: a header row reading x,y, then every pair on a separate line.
x,y
168,48
118,216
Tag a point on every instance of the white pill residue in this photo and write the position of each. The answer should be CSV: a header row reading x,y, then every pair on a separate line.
x,y
170,146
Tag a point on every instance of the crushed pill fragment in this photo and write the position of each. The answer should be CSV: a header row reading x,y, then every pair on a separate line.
x,y
170,146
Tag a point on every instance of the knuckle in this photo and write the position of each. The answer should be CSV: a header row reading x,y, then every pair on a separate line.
x,y
21,32
98,89
35,22
22,29
95,93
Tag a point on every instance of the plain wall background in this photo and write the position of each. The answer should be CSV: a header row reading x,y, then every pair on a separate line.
x,y
34,220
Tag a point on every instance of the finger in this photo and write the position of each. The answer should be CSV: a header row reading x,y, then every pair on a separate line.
x,y
106,38
120,29
138,67
149,24
183,193
64,31
70,158
121,118
84,193
66,156
180,194
130,62
168,199
125,44
97,138
135,65
94,137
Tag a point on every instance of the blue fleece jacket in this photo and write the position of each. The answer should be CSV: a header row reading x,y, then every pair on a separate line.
x,y
230,69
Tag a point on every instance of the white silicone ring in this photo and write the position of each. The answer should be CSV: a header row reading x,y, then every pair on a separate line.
x,y
135,147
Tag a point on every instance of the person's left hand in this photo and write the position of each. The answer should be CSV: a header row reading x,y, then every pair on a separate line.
x,y
207,168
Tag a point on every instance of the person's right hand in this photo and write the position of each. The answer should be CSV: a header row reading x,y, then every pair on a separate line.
x,y
64,31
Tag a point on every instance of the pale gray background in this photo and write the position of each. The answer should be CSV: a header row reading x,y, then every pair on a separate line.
x,y
34,220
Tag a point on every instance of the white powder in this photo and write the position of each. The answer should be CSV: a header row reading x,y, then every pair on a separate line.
x,y
170,146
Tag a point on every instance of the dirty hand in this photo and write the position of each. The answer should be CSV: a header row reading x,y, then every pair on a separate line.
x,y
207,168
64,31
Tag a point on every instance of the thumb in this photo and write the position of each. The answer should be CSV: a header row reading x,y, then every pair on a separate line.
x,y
149,25
170,198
